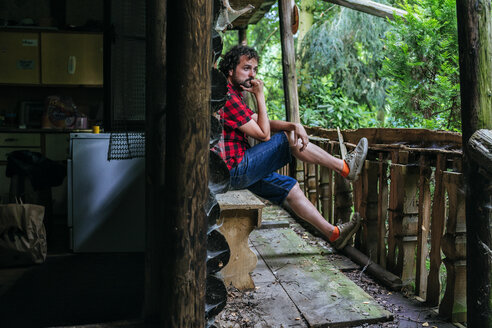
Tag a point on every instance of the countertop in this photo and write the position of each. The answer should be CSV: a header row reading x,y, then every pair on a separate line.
x,y
17,130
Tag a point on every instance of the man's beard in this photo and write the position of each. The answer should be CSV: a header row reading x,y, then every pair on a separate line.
x,y
245,83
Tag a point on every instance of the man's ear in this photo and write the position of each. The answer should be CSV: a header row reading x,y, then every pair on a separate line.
x,y
231,72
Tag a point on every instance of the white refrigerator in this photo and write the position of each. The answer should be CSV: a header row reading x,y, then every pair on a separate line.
x,y
106,199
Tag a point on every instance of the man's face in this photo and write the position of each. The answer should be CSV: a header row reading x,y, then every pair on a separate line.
x,y
245,72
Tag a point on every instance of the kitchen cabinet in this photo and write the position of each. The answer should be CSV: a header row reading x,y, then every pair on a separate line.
x,y
51,58
19,58
71,58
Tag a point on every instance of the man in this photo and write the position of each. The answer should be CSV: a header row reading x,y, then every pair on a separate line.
x,y
254,167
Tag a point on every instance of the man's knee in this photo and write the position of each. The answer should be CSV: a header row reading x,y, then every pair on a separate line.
x,y
294,192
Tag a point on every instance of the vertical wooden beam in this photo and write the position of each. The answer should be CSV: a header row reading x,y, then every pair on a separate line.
x,y
475,51
409,224
326,185
189,25
370,198
394,215
360,203
289,70
155,155
423,227
453,304
288,61
312,184
437,226
242,36
382,209
343,199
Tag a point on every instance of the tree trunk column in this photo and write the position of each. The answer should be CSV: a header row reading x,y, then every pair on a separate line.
x,y
186,166
155,154
475,51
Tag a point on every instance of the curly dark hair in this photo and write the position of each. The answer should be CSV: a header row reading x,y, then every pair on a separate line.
x,y
232,58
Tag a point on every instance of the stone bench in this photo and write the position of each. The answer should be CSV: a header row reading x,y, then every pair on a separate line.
x,y
240,213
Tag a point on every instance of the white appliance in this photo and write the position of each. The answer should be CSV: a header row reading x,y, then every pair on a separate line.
x,y
106,199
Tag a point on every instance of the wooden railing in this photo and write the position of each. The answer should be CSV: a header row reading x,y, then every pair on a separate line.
x,y
411,196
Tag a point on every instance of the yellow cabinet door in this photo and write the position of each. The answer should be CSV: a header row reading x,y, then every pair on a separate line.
x,y
19,57
71,58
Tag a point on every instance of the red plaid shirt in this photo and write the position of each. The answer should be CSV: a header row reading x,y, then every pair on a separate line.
x,y
234,114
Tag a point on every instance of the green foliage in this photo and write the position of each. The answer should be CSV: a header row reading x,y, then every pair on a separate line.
x,y
349,48
422,62
327,107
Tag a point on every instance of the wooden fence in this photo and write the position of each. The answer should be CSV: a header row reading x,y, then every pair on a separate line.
x,y
411,196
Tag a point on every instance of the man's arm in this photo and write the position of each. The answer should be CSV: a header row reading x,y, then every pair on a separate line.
x,y
259,126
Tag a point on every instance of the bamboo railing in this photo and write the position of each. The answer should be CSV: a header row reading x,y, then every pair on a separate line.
x,y
411,196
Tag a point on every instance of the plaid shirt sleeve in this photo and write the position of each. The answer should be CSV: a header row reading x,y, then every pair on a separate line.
x,y
235,112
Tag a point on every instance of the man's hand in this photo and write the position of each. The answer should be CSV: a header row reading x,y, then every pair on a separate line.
x,y
256,87
298,135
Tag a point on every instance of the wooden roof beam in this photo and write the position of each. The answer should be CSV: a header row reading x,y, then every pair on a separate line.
x,y
370,7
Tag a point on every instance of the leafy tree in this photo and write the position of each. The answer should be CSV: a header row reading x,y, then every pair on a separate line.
x,y
349,49
422,62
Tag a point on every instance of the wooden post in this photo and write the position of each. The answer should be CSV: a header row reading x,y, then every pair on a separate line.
x,y
423,227
312,184
409,224
394,217
343,199
288,61
289,69
326,192
243,36
453,304
475,51
189,25
475,45
437,226
382,209
155,154
370,200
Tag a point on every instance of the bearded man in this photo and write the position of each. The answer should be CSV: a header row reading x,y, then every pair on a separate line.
x,y
254,168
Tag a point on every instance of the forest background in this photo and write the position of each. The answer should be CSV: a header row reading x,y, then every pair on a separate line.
x,y
357,70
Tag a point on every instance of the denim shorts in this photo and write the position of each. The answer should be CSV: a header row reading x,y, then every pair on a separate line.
x,y
256,171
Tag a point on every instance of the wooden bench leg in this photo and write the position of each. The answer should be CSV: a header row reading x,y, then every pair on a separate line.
x,y
236,227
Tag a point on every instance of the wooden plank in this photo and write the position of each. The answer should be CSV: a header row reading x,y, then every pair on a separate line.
x,y
423,228
239,199
369,202
453,303
325,297
370,7
382,209
394,219
275,306
391,138
274,216
437,226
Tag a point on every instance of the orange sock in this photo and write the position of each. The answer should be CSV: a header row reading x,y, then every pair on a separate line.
x,y
335,234
346,170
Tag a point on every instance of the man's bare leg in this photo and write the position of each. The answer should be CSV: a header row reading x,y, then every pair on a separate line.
x,y
298,202
339,236
315,155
